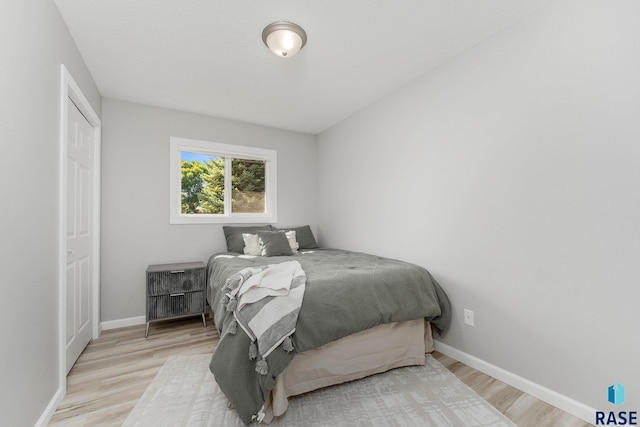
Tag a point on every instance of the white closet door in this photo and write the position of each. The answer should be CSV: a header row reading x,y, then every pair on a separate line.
x,y
80,152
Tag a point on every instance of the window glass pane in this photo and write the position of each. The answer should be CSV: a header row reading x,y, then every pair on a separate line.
x,y
248,186
213,183
202,183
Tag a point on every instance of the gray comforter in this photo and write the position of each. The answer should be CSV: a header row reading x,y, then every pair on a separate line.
x,y
346,292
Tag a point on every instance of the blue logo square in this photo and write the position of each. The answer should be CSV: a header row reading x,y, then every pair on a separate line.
x,y
616,394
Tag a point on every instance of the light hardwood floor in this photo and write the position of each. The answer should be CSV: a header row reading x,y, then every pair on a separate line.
x,y
113,372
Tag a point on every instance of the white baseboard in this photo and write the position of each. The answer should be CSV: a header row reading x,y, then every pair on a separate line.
x,y
50,410
549,396
123,323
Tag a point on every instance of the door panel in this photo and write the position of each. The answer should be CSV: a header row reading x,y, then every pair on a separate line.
x,y
84,302
71,190
71,301
84,208
80,146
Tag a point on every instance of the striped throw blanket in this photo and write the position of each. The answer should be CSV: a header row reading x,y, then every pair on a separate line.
x,y
265,302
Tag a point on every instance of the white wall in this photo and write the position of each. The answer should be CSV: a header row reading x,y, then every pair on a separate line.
x,y
512,174
135,194
34,42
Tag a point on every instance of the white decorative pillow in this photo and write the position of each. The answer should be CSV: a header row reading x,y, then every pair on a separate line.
x,y
251,244
291,237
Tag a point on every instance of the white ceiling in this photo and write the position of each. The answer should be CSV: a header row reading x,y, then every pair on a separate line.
x,y
207,56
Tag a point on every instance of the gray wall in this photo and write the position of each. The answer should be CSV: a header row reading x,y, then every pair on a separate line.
x,y
135,194
512,174
34,42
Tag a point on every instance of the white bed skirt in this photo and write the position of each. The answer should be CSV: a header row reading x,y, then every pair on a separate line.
x,y
356,356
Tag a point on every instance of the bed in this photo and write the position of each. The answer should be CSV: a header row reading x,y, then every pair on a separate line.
x,y
361,314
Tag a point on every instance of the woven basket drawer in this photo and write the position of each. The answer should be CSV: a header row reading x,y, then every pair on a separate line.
x,y
180,304
171,282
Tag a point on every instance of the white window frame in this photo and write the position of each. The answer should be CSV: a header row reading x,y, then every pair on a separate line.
x,y
177,145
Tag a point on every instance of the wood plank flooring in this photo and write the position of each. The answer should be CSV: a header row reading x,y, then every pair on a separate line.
x,y
114,371
521,408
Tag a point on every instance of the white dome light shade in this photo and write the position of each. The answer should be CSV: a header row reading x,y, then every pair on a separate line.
x,y
284,39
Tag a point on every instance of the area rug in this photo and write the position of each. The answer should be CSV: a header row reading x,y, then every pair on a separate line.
x,y
184,393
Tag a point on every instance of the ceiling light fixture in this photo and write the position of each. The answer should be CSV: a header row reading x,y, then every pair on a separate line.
x,y
284,39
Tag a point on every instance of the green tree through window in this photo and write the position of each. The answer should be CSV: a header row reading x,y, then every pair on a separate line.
x,y
203,185
192,184
247,186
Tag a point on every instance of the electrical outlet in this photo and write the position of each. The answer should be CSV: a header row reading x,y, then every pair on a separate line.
x,y
468,317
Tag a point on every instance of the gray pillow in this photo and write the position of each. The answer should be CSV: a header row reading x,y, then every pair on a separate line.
x,y
274,243
304,236
234,236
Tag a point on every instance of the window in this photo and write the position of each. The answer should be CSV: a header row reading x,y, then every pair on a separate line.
x,y
221,183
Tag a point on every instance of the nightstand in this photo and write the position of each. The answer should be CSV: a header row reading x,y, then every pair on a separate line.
x,y
175,290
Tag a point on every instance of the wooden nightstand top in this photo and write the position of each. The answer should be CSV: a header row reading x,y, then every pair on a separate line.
x,y
154,268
